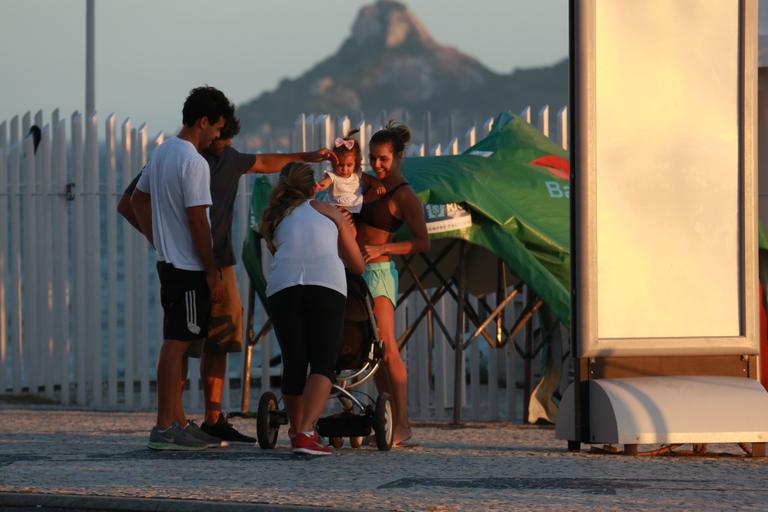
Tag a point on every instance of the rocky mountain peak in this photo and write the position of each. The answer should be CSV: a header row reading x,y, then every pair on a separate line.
x,y
388,23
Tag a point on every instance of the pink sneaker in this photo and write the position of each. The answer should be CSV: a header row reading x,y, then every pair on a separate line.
x,y
309,445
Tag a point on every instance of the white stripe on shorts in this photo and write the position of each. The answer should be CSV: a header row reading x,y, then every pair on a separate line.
x,y
191,307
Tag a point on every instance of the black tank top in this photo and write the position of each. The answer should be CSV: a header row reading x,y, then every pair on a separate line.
x,y
376,213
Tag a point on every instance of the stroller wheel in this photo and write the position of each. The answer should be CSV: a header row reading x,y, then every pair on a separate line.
x,y
337,442
383,422
356,442
265,432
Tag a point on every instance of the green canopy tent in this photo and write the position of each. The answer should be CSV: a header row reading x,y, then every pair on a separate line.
x,y
501,205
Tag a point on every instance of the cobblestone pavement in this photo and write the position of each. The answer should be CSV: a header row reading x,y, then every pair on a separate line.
x,y
490,466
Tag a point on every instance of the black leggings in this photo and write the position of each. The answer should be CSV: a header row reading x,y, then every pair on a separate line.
x,y
308,321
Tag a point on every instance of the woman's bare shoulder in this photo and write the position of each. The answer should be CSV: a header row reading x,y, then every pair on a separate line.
x,y
404,194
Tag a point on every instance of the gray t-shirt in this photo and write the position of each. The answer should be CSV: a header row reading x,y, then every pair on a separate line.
x,y
226,170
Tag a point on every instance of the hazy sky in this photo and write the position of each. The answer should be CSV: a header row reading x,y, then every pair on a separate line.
x,y
150,53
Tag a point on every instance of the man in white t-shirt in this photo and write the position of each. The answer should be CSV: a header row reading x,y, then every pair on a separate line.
x,y
171,203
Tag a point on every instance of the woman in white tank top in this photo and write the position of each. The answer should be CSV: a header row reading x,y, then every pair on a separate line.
x,y
311,242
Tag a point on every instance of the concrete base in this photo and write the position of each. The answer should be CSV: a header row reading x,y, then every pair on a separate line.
x,y
666,410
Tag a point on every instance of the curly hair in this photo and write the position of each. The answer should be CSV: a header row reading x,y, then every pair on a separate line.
x,y
342,150
231,128
296,185
208,102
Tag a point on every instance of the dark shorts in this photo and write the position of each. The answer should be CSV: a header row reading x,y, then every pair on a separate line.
x,y
186,305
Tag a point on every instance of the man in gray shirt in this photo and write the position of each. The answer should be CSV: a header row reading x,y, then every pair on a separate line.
x,y
225,327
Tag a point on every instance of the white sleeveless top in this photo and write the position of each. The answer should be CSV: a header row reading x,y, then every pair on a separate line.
x,y
307,253
346,192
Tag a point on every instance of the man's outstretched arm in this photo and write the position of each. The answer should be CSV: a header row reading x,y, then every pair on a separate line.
x,y
272,162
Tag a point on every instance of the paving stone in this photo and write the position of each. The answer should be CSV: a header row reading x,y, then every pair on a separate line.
x,y
488,466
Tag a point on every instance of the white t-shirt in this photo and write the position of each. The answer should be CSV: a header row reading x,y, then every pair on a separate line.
x,y
346,192
177,177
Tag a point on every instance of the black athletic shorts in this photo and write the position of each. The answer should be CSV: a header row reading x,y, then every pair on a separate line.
x,y
186,303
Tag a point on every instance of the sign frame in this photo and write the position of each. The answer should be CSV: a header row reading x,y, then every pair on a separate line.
x,y
584,213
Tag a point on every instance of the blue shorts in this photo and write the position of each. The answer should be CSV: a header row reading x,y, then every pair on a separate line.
x,y
381,279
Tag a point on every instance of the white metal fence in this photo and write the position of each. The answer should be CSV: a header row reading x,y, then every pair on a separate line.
x,y
79,317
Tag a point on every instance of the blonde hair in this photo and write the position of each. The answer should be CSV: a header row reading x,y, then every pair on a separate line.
x,y
296,185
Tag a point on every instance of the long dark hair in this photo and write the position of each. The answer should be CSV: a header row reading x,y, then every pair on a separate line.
x,y
394,133
296,185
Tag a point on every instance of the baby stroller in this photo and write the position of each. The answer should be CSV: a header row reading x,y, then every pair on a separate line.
x,y
359,358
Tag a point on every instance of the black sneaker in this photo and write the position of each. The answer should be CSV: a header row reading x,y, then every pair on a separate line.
x,y
226,432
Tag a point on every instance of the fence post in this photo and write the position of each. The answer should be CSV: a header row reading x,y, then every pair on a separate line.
x,y
14,134
470,138
4,137
30,276
4,191
383,118
488,126
111,221
300,131
78,224
325,134
343,125
16,295
93,254
493,373
309,130
143,288
54,120
427,129
61,254
126,167
324,139
453,146
474,373
45,263
562,127
526,114
543,120
458,368
39,119
437,150
26,123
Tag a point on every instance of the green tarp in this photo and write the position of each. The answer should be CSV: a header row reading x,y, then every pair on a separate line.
x,y
515,184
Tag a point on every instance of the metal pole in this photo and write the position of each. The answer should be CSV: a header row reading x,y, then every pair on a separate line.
x,y
501,289
528,359
458,368
90,91
245,391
